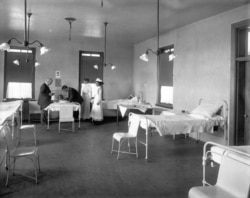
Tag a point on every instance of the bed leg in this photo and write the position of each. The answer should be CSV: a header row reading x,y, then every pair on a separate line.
x,y
198,137
146,155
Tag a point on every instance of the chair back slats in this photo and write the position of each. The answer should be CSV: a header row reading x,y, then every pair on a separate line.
x,y
134,123
66,111
234,174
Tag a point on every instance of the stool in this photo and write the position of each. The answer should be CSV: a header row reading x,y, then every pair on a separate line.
x,y
27,128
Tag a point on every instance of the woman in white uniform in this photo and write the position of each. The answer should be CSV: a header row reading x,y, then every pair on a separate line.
x,y
86,93
97,111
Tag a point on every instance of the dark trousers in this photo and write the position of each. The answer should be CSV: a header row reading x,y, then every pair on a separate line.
x,y
44,116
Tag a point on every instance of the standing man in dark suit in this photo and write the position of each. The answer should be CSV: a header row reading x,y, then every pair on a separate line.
x,y
73,95
44,98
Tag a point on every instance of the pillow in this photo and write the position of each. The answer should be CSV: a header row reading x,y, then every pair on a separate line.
x,y
167,113
207,110
198,116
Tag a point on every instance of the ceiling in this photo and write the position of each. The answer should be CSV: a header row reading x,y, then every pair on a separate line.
x,y
130,21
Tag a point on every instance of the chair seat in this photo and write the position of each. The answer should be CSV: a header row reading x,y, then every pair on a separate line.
x,y
24,151
28,126
67,120
119,135
209,192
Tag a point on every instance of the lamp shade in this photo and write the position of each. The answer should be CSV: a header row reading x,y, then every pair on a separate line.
x,y
96,67
16,62
4,46
144,57
171,57
37,64
113,67
44,50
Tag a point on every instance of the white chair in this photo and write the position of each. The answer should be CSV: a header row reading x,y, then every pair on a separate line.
x,y
66,115
130,135
29,128
233,179
16,153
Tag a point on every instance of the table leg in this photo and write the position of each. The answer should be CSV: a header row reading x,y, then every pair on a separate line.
x,y
13,124
147,127
79,118
117,115
21,112
48,121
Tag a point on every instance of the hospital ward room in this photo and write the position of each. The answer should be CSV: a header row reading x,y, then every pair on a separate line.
x,y
125,98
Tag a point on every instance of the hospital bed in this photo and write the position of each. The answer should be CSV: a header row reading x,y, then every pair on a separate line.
x,y
121,107
185,123
10,110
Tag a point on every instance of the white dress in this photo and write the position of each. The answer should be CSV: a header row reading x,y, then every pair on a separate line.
x,y
97,111
86,93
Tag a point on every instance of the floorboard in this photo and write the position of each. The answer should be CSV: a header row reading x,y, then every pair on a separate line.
x,y
80,165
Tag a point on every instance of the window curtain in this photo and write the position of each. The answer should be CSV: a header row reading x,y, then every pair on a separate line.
x,y
19,90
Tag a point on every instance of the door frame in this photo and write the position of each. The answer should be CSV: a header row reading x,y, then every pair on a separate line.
x,y
80,68
233,80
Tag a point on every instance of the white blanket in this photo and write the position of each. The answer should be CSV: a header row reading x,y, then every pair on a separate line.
x,y
178,124
112,104
9,108
56,106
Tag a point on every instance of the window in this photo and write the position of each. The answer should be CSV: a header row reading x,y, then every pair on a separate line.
x,y
165,78
19,79
19,90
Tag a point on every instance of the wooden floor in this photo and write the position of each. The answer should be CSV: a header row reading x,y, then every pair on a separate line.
x,y
80,165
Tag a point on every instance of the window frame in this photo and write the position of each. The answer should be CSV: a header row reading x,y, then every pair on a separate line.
x,y
159,71
21,56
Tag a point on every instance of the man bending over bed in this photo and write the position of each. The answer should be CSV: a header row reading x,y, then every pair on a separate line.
x,y
73,96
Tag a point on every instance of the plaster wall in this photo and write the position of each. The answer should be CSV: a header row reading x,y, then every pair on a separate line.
x,y
202,68
64,57
203,62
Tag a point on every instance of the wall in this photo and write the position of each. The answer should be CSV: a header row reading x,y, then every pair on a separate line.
x,y
203,62
64,56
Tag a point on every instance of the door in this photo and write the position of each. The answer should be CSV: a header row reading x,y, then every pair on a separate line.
x,y
247,104
242,110
90,66
243,103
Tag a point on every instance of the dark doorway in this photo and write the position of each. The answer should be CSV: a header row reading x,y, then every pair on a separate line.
x,y
242,117
90,66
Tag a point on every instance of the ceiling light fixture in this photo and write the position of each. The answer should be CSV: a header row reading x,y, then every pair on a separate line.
x,y
16,62
144,56
70,20
113,67
25,43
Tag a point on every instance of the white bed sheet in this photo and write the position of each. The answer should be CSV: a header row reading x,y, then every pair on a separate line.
x,y
7,109
180,123
112,104
56,107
